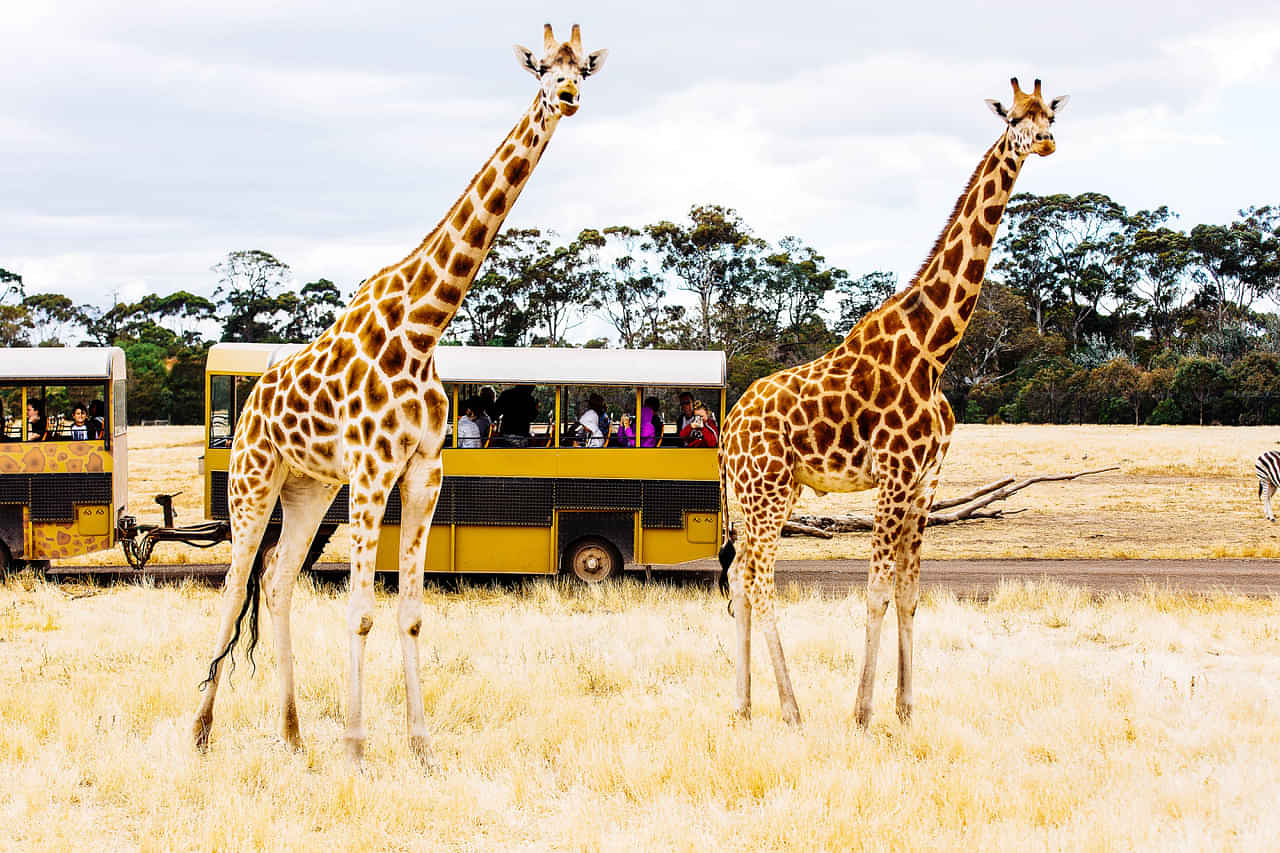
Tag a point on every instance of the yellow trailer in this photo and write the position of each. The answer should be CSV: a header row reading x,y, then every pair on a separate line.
x,y
64,474
546,496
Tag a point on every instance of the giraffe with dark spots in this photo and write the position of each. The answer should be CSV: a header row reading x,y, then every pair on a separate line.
x,y
374,414
874,401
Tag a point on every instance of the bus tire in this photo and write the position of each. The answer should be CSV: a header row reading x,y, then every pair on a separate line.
x,y
593,560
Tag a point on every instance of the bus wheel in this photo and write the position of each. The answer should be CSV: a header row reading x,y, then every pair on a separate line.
x,y
593,560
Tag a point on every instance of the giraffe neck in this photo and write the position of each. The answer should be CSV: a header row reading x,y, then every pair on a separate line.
x,y
424,291
945,290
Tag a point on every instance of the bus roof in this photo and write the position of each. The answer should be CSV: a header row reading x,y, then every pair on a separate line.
x,y
61,363
528,365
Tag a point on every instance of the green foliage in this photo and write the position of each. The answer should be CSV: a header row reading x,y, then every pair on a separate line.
x,y
149,394
1165,413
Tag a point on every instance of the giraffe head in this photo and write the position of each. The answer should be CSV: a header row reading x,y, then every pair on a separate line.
x,y
1029,119
561,69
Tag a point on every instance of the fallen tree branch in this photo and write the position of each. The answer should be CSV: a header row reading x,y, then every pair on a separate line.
x,y
970,506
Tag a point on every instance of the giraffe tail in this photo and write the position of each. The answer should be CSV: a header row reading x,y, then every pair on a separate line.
x,y
727,553
250,607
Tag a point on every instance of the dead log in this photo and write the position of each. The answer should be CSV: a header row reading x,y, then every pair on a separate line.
x,y
795,528
971,506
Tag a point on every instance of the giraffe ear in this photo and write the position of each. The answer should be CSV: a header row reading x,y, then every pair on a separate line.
x,y
527,60
594,62
998,109
1059,103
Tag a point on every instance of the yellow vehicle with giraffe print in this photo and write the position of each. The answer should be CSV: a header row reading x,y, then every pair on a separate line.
x,y
586,461
64,474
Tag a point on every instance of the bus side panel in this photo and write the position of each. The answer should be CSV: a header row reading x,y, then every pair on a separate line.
x,y
664,547
504,549
439,549
57,540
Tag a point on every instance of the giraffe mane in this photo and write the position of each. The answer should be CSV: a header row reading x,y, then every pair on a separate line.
x,y
942,237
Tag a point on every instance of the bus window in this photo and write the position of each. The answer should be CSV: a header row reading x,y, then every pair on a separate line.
x,y
219,411
243,387
78,421
524,414
119,412
600,427
11,414
677,409
36,414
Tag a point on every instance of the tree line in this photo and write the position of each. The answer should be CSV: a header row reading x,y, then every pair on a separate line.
x,y
1090,312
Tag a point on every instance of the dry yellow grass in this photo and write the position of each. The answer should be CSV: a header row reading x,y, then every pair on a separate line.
x,y
586,719
1180,492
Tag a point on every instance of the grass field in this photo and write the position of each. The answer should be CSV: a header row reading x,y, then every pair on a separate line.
x,y
1180,492
568,718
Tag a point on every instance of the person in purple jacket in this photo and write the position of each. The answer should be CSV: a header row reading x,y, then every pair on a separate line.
x,y
650,425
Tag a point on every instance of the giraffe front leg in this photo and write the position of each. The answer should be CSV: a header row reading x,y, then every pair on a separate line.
x,y
419,491
880,580
366,519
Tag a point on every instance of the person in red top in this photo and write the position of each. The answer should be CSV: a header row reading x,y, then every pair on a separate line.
x,y
701,431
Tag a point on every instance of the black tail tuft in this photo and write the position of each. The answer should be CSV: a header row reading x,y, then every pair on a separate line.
x,y
252,600
727,554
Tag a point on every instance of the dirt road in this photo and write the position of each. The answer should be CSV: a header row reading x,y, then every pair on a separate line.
x,y
968,578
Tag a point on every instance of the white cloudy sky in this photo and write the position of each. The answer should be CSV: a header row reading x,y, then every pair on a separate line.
x,y
142,141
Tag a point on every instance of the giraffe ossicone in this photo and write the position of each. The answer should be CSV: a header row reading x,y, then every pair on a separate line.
x,y
868,415
363,405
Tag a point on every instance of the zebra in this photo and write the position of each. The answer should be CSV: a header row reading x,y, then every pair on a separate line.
x,y
1268,468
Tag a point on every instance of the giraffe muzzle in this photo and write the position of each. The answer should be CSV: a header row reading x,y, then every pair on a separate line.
x,y
1044,144
568,98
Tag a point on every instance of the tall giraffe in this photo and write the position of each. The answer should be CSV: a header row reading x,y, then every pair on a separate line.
x,y
867,415
363,405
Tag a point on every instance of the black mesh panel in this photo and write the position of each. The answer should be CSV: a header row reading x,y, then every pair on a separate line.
x,y
54,496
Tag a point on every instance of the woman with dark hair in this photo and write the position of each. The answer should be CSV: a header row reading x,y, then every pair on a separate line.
x,y
37,427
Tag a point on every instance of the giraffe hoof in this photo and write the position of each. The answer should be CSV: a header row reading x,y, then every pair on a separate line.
x,y
426,757
904,713
791,716
200,732
862,717
741,714
355,750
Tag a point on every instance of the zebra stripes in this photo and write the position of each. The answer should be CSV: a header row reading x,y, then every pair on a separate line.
x,y
1268,468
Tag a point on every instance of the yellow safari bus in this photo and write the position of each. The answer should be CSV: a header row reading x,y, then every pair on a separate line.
x,y
64,477
587,461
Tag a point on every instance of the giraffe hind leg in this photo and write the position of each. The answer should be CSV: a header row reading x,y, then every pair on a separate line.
x,y
419,492
250,508
764,529
738,573
304,502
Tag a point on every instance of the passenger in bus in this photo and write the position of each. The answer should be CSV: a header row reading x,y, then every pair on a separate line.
x,y
80,423
97,419
593,424
37,426
469,432
488,397
701,430
650,425
516,410
686,411
480,414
